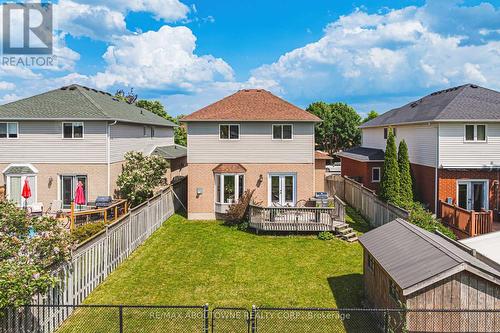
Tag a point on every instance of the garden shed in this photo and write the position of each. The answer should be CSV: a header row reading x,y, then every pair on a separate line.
x,y
407,267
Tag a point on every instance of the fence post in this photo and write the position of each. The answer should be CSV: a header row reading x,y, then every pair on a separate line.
x,y
386,321
253,319
205,318
120,317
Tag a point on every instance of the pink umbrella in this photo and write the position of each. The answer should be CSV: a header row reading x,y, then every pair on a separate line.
x,y
79,194
26,194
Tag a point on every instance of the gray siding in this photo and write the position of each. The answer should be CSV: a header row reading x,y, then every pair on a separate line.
x,y
455,153
128,137
42,142
254,146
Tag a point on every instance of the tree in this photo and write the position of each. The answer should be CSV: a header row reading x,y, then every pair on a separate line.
x,y
389,186
29,249
339,129
140,176
371,115
405,181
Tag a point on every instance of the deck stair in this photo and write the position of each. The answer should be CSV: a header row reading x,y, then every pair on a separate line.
x,y
346,233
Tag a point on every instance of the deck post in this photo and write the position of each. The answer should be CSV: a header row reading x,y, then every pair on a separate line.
x,y
72,217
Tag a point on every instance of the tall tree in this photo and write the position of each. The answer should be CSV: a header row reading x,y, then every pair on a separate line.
x,y
339,129
405,181
389,186
371,115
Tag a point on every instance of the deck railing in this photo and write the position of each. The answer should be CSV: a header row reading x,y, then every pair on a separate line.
x,y
466,223
298,218
106,214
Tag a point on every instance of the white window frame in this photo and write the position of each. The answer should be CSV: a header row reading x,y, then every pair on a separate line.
x,y
7,129
386,132
282,175
229,132
379,175
468,183
475,133
73,130
281,128
220,194
34,173
75,182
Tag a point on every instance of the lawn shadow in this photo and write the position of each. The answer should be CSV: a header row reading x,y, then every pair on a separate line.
x,y
348,293
356,221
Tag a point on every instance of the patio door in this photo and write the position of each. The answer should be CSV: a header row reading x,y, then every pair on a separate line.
x,y
68,188
473,195
282,189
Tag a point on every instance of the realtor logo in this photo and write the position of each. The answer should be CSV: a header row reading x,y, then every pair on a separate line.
x,y
27,28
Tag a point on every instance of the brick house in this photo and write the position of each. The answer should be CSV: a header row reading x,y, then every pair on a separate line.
x,y
453,139
251,140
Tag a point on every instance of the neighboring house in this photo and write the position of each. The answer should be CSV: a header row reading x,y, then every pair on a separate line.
x,y
408,267
250,140
73,134
453,139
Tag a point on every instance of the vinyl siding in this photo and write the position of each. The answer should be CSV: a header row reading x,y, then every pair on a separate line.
x,y
421,141
455,153
254,146
42,142
130,137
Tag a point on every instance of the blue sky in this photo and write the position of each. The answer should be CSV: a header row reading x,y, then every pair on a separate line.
x,y
189,53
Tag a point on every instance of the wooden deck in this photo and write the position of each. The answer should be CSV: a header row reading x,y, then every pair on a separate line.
x,y
465,223
302,219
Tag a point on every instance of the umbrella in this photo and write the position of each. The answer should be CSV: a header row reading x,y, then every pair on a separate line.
x,y
26,192
79,194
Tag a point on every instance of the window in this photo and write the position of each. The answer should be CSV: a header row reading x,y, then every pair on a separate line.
x,y
376,175
145,131
475,133
386,131
73,130
68,188
229,187
15,184
152,132
371,263
282,132
229,132
8,130
393,291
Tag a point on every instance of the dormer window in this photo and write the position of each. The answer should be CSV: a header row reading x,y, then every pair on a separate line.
x,y
475,133
229,132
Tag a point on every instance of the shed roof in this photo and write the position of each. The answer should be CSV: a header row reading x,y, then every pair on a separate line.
x,y
77,102
415,258
363,154
321,155
251,105
170,152
462,103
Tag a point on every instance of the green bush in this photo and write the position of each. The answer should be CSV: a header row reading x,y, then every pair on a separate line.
x,y
425,220
405,181
86,231
389,185
325,235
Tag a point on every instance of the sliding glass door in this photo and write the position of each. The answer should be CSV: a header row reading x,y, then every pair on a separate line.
x,y
473,195
68,188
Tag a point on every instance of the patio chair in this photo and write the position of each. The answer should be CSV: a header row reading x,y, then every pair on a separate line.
x,y
55,208
36,209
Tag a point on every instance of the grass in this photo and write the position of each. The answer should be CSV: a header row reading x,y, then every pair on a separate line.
x,y
197,262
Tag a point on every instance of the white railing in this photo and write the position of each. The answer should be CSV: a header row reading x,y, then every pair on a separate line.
x,y
97,257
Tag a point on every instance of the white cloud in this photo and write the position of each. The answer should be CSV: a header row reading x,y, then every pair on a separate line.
x,y
374,55
162,59
4,85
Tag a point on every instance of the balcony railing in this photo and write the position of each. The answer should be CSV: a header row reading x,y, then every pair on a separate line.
x,y
466,223
106,214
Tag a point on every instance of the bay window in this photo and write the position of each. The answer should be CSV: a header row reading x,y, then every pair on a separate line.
x,y
229,187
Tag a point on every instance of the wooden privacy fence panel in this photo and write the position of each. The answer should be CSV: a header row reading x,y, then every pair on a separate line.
x,y
95,259
364,200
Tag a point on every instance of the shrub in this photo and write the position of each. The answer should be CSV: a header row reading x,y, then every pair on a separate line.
x,y
29,249
405,180
237,211
424,219
325,235
389,186
86,231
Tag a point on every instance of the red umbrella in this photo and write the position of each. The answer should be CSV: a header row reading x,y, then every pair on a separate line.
x,y
79,194
26,191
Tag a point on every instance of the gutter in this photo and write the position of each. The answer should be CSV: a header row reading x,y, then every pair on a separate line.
x,y
436,182
108,153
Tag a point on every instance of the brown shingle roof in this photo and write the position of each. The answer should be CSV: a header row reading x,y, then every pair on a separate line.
x,y
321,155
229,168
251,105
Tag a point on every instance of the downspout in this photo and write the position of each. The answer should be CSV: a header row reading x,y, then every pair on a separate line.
x,y
436,183
108,153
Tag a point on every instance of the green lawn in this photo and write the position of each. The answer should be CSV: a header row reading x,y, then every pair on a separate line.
x,y
197,262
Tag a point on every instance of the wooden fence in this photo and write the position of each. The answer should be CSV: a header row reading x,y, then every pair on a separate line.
x,y
465,223
364,200
97,257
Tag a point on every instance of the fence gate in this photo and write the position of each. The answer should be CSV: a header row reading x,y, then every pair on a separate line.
x,y
230,320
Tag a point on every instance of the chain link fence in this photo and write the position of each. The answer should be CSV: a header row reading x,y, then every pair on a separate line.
x,y
180,319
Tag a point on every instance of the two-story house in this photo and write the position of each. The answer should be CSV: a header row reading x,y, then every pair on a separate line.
x,y
250,140
453,139
72,134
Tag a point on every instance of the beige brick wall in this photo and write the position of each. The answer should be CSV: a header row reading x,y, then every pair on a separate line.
x,y
201,176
